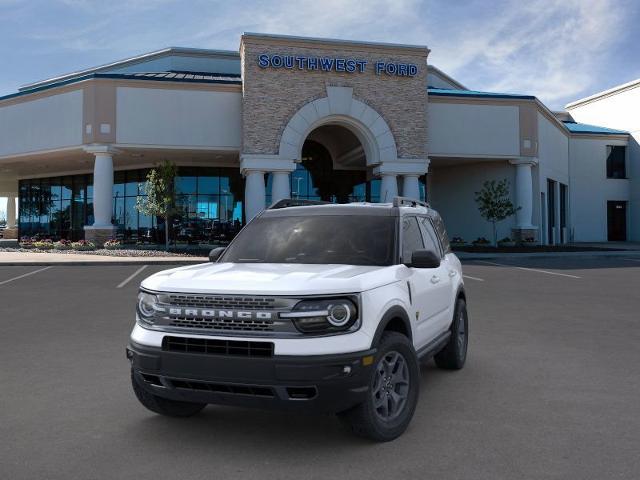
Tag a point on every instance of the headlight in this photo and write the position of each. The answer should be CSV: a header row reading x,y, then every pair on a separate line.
x,y
326,315
147,303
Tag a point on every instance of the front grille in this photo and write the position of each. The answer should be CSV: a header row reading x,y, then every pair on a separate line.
x,y
217,347
223,302
222,324
235,315
253,390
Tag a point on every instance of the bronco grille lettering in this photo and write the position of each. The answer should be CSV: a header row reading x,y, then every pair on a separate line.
x,y
212,313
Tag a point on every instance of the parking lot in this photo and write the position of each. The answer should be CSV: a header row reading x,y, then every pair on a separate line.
x,y
551,388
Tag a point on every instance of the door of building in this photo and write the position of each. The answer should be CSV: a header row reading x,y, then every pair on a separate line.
x,y
617,221
551,212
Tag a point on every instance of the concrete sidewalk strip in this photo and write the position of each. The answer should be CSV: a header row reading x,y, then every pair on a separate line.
x,y
529,269
24,275
43,259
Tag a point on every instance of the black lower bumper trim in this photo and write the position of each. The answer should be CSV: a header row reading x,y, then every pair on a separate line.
x,y
324,383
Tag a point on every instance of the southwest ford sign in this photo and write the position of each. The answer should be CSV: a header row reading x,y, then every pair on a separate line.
x,y
335,64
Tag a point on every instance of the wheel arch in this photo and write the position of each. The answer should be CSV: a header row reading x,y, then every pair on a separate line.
x,y
395,319
461,293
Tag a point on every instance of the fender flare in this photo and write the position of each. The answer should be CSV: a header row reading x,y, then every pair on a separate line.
x,y
395,311
461,293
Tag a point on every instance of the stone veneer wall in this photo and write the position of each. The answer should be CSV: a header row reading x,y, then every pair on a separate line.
x,y
271,96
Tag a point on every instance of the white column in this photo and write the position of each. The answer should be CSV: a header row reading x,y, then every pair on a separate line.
x,y
102,190
254,193
388,187
280,186
524,192
11,212
411,186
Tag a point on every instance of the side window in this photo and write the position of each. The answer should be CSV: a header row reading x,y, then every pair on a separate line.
x,y
438,223
411,238
430,239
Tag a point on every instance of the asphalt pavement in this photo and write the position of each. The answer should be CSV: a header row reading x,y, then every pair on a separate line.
x,y
551,388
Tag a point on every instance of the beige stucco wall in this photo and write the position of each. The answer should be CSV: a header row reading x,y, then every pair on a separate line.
x,y
272,96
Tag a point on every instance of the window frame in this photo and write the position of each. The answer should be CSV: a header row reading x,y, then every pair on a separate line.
x,y
625,172
436,238
401,219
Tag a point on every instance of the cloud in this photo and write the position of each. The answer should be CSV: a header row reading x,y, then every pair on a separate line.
x,y
556,50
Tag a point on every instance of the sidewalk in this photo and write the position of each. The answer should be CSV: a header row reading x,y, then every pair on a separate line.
x,y
36,259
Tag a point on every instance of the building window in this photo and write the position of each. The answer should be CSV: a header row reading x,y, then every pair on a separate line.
x,y
208,200
616,161
304,185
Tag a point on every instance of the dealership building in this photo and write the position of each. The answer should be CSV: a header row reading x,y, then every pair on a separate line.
x,y
309,118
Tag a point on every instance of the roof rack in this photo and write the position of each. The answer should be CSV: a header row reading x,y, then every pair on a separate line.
x,y
409,202
290,202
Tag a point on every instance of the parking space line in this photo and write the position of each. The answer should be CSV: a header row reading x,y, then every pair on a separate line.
x,y
131,277
25,275
529,269
632,259
473,278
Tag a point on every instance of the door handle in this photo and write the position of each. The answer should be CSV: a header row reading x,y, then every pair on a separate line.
x,y
452,273
435,279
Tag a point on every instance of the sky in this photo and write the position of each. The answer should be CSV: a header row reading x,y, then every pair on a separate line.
x,y
558,50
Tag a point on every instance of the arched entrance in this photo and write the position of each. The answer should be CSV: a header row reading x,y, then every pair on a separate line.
x,y
335,148
333,168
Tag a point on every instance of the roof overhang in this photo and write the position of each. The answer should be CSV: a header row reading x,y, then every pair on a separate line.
x,y
605,93
145,57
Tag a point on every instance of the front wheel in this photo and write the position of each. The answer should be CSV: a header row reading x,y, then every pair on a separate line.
x,y
454,354
393,392
163,406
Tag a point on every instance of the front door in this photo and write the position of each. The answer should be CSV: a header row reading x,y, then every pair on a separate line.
x,y
617,221
551,212
429,286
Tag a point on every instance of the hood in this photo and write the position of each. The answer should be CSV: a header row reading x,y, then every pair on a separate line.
x,y
271,278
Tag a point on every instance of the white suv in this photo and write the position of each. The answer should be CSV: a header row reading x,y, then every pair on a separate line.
x,y
320,307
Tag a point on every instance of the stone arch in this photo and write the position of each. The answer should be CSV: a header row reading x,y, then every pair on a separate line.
x,y
340,108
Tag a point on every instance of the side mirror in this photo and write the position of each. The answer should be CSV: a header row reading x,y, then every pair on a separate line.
x,y
214,254
424,259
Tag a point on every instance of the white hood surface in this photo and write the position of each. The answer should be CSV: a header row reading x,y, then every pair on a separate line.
x,y
271,278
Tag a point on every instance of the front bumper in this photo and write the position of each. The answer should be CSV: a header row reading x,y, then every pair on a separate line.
x,y
323,383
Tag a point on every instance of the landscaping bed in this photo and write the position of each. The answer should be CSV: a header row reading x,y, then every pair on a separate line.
x,y
121,252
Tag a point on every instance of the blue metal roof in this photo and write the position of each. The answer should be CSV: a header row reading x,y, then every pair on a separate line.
x,y
575,127
445,92
188,77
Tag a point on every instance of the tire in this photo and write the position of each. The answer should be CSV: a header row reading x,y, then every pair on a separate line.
x,y
164,406
454,354
397,356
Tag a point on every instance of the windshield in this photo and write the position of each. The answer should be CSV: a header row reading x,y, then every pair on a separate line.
x,y
351,240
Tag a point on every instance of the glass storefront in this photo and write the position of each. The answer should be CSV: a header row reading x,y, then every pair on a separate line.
x,y
208,203
357,188
56,207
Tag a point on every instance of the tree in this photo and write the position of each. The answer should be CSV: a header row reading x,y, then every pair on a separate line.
x,y
494,203
160,199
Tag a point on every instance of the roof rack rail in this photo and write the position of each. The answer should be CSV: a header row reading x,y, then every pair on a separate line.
x,y
291,202
409,202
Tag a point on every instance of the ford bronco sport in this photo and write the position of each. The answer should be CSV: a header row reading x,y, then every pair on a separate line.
x,y
315,307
